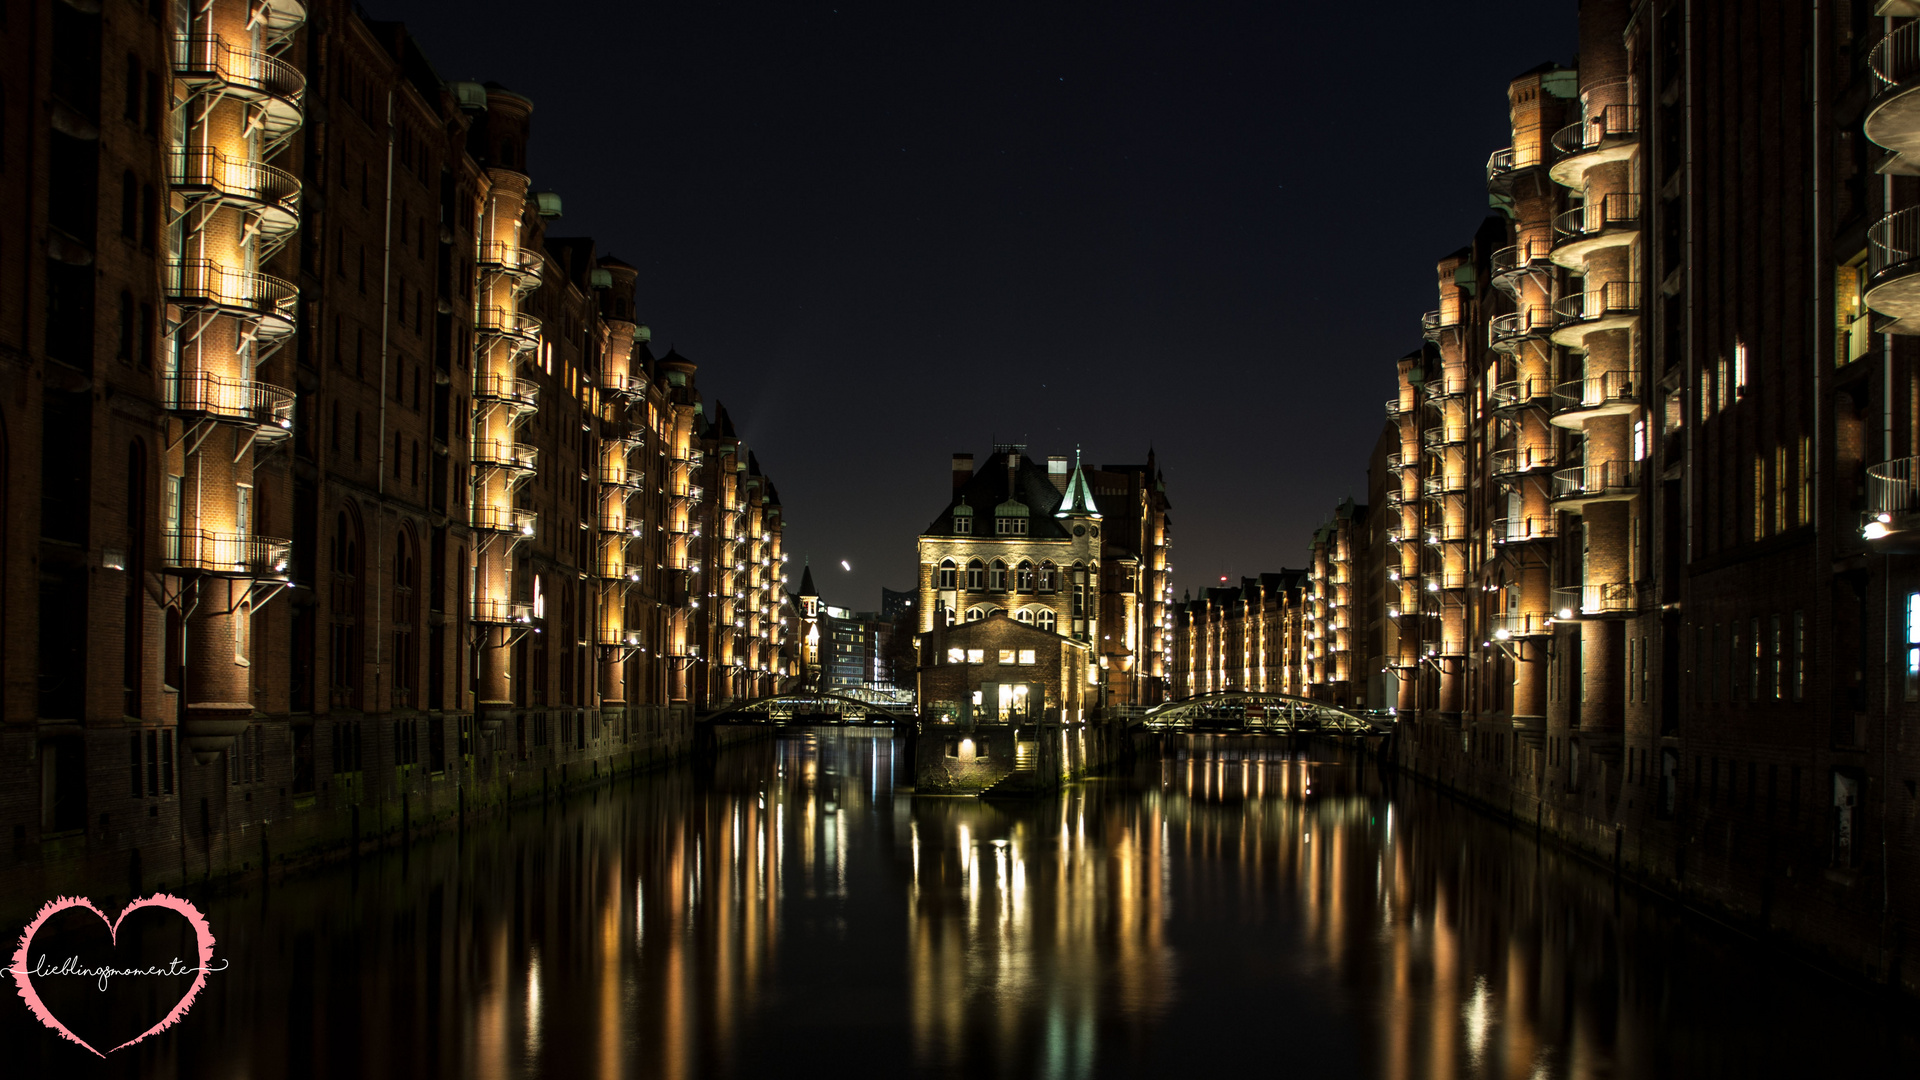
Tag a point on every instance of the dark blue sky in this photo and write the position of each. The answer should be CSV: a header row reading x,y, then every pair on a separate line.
x,y
891,231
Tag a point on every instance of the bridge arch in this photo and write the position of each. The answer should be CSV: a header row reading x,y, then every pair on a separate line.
x,y
1256,711
774,708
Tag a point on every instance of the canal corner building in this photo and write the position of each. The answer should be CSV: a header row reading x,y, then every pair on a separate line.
x,y
343,492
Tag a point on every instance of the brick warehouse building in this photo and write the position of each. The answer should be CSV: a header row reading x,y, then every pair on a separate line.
x,y
1664,390
338,493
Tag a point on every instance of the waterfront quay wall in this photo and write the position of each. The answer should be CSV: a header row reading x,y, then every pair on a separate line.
x,y
378,781
1746,854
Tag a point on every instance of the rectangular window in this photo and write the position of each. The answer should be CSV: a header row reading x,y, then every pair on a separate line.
x,y
1639,440
133,759
976,656
1753,665
1006,656
1806,480
1739,368
154,739
1779,489
956,656
1800,652
1779,668
1027,656
963,524
1759,496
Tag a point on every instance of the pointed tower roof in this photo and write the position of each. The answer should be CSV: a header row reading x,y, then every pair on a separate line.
x,y
1079,498
806,581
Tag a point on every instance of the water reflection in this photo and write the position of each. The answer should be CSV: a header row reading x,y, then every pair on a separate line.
x,y
1240,902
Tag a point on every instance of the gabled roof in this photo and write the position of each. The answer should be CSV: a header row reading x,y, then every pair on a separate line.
x,y
806,581
988,487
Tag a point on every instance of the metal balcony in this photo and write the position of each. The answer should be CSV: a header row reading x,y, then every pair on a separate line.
x,y
1609,393
620,474
271,194
1434,323
523,395
1521,529
1393,407
1613,306
1572,603
501,454
1446,532
227,554
1516,394
1608,133
488,610
1510,264
1532,322
1521,460
1441,435
237,401
1893,506
1893,119
1520,624
504,519
1503,165
205,286
1438,648
1893,257
519,329
1610,221
1606,481
274,87
1402,462
521,263
1446,386
1443,483
622,384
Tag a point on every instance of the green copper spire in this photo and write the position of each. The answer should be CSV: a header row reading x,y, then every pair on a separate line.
x,y
1079,500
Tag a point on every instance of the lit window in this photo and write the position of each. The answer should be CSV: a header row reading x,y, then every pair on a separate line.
x,y
946,574
956,656
1027,656
1913,646
1006,656
976,656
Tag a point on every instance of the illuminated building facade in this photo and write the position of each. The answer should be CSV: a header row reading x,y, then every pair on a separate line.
x,y
340,494
1250,637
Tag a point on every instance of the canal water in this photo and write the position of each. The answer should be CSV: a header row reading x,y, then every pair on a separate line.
x,y
1243,903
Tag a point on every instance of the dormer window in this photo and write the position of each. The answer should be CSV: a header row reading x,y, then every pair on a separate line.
x,y
1010,526
963,519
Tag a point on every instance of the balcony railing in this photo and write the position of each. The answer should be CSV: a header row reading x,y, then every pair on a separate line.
x,y
201,59
1393,406
1619,210
515,259
1446,532
1443,483
622,383
504,519
1893,487
1435,321
227,554
1400,534
250,402
1894,240
501,454
203,283
516,326
1513,159
1532,320
1613,298
1522,529
1444,435
506,388
1526,254
1530,392
1896,58
1606,598
619,474
1609,389
1608,124
1515,624
1448,384
1523,459
203,167
1399,462
1606,477
486,609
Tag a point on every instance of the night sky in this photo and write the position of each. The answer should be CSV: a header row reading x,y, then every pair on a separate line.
x,y
888,232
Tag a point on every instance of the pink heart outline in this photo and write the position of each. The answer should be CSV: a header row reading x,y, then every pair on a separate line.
x,y
202,933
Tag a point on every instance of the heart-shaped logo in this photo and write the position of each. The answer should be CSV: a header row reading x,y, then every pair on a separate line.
x,y
22,974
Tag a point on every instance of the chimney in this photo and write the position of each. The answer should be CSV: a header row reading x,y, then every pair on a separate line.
x,y
962,470
1057,472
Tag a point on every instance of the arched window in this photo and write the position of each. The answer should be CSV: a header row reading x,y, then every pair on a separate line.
x,y
1025,615
947,615
975,614
976,575
1023,576
997,576
1047,620
946,574
1048,577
